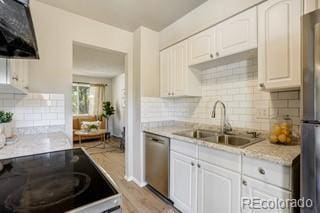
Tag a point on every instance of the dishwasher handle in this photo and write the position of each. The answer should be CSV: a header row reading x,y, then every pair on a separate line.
x,y
156,139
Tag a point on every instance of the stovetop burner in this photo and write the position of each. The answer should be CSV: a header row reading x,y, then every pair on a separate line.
x,y
47,191
51,182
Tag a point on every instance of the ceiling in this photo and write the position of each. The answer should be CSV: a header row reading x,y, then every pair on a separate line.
x,y
96,62
129,14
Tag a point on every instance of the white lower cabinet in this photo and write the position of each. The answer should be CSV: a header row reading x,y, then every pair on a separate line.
x,y
182,182
206,180
202,186
252,188
218,189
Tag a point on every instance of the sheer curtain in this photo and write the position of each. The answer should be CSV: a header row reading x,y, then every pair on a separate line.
x,y
97,97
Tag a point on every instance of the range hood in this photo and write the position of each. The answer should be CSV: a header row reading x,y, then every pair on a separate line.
x,y
17,37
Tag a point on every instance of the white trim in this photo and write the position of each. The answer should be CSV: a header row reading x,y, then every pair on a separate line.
x,y
140,184
133,179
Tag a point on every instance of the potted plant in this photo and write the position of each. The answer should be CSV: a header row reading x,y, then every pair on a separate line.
x,y
108,110
6,123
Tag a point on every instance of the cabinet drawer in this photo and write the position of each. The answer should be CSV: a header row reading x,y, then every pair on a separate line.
x,y
267,172
221,158
185,148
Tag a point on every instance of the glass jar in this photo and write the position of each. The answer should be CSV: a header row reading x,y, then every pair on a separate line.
x,y
281,130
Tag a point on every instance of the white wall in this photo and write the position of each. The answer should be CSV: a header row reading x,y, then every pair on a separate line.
x,y
202,17
56,30
118,95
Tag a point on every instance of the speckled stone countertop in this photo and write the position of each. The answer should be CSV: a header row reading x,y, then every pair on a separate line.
x,y
284,155
36,144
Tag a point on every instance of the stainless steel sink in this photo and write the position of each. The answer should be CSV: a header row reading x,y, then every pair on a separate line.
x,y
239,141
233,140
198,133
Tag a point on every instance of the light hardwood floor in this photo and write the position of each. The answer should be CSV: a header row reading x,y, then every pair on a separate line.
x,y
135,199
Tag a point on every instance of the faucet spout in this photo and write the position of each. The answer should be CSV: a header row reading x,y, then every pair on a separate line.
x,y
224,125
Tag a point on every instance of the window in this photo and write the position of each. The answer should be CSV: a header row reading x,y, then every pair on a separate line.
x,y
80,99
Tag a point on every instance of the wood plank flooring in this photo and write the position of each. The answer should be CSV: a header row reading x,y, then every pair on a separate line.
x,y
134,198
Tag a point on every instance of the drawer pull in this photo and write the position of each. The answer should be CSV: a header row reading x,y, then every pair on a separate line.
x,y
244,182
199,166
192,164
261,171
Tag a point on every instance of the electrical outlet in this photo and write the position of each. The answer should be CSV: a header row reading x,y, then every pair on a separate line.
x,y
262,113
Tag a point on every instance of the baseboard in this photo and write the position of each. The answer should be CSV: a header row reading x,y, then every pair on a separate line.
x,y
131,178
140,184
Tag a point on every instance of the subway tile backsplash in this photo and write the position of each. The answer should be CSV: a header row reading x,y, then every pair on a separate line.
x,y
236,85
35,110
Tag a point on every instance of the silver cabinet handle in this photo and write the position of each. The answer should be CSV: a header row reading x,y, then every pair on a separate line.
x,y
199,166
261,171
217,54
211,55
192,164
244,182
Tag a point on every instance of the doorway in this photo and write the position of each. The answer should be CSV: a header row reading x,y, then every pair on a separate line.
x,y
99,98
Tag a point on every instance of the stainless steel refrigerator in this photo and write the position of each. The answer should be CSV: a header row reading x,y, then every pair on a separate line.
x,y
310,127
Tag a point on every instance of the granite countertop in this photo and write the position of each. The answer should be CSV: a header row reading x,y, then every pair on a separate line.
x,y
264,150
36,144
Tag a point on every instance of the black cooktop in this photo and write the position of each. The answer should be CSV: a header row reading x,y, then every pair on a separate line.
x,y
51,182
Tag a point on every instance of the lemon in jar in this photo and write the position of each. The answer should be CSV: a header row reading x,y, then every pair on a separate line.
x,y
282,138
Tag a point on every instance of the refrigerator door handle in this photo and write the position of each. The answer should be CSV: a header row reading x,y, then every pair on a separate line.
x,y
316,78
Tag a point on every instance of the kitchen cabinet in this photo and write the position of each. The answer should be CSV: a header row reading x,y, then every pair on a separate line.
x,y
310,5
176,79
279,32
182,182
203,185
14,76
252,188
202,47
218,189
237,34
165,72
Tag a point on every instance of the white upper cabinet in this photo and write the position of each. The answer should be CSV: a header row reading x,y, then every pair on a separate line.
x,y
180,69
165,72
14,76
176,79
279,44
232,36
310,5
237,34
183,182
201,47
218,189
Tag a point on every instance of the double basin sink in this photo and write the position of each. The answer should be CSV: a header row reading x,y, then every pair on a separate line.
x,y
235,140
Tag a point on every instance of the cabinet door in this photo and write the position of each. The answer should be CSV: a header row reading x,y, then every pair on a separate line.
x,y
237,34
279,44
183,182
218,189
310,5
165,72
3,71
180,69
252,188
201,47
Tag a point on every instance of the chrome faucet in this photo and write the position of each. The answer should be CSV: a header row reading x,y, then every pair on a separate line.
x,y
225,126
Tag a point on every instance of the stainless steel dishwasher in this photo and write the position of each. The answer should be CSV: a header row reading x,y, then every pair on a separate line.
x,y
157,154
